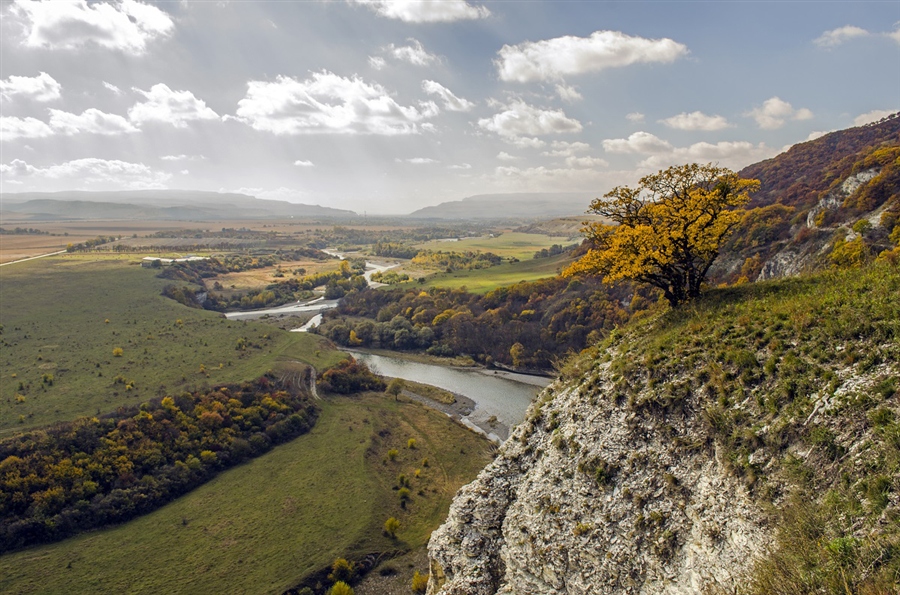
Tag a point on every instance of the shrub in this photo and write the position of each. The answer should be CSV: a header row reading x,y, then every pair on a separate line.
x,y
411,444
341,571
340,588
419,582
117,352
391,526
392,454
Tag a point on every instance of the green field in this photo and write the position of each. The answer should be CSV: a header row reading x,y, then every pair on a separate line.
x,y
510,244
62,317
262,526
508,273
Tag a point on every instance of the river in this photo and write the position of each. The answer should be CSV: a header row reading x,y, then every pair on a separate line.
x,y
503,395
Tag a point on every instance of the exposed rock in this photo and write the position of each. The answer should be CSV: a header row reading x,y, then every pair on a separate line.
x,y
586,498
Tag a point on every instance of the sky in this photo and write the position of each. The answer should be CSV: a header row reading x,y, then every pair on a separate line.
x,y
388,106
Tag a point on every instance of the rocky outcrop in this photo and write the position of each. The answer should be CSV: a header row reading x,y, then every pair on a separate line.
x,y
587,497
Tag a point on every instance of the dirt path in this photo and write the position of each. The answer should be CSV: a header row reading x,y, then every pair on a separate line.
x,y
32,258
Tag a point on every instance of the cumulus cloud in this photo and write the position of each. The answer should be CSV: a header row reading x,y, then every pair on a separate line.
x,y
526,142
377,62
561,148
460,166
426,11
554,59
13,128
895,34
182,157
568,93
451,102
519,119
836,37
729,154
302,163
328,103
91,120
68,24
536,179
42,87
635,117
774,112
696,121
417,160
638,142
872,116
174,107
112,88
583,162
90,172
414,53
504,156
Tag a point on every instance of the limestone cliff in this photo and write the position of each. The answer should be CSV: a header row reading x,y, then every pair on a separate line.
x,y
661,462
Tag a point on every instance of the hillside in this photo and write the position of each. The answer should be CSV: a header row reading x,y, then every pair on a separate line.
x,y
514,206
162,205
748,444
826,200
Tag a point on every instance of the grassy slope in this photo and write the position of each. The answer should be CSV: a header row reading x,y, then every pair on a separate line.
x,y
484,280
515,244
259,528
803,374
54,313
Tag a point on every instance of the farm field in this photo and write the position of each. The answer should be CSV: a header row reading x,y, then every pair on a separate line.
x,y
484,280
261,527
510,244
257,278
63,316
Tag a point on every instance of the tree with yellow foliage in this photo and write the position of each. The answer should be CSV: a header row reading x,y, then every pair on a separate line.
x,y
667,231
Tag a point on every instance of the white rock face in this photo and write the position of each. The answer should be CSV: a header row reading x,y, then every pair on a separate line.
x,y
588,497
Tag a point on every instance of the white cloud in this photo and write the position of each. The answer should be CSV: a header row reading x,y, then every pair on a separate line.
x,y
90,172
377,62
12,128
553,59
42,87
173,107
112,88
302,163
729,154
635,117
414,54
872,116
418,160
525,142
895,34
696,121
460,166
519,119
328,103
535,179
182,157
838,36
67,24
638,142
91,120
568,93
185,172
451,102
580,162
426,11
504,156
564,149
775,111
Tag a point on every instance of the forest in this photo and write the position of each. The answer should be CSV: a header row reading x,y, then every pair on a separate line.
x,y
95,471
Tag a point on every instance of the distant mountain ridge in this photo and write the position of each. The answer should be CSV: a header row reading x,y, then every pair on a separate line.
x,y
157,204
521,205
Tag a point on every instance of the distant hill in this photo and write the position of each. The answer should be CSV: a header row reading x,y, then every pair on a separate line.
x,y
157,205
515,206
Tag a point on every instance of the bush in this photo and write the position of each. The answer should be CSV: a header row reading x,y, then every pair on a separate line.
x,y
341,571
391,526
340,588
419,582
350,376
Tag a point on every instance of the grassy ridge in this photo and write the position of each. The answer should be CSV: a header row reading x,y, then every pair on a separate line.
x,y
62,317
261,527
510,244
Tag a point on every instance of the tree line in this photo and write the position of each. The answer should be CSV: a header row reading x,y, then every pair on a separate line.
x,y
71,477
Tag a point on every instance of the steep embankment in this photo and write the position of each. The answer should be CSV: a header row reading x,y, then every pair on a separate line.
x,y
745,443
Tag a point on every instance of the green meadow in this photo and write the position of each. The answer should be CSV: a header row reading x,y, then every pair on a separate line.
x,y
508,273
510,244
263,526
83,335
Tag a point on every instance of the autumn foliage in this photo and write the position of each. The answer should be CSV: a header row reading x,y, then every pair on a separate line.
x,y
667,230
95,471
